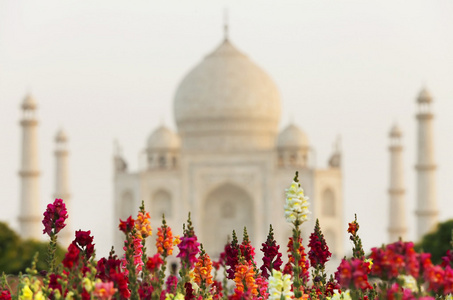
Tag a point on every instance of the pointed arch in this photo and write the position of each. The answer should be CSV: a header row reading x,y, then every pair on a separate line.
x,y
226,208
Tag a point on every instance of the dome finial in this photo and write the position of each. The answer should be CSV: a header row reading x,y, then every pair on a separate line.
x,y
225,24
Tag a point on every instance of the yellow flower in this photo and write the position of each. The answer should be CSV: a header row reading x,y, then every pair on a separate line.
x,y
176,240
87,284
369,260
39,296
408,282
36,286
340,296
69,295
26,293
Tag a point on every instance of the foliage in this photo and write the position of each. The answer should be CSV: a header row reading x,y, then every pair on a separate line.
x,y
17,254
437,242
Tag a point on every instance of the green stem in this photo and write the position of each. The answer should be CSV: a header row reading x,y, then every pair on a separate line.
x,y
51,259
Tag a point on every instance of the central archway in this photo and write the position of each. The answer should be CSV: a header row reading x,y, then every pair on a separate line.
x,y
225,209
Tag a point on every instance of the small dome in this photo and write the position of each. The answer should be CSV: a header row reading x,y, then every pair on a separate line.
x,y
29,102
61,136
395,131
163,138
424,96
292,137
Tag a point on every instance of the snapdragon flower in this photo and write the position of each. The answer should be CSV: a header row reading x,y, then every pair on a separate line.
x,y
280,286
54,217
296,207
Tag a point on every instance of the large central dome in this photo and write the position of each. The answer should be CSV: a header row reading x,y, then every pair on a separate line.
x,y
227,103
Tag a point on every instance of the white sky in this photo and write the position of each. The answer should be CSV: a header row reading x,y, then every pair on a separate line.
x,y
109,69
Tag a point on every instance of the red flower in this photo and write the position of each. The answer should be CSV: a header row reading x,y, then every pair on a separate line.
x,y
353,227
154,262
435,277
53,282
247,250
83,238
84,241
232,256
319,252
126,226
189,291
121,282
5,295
303,262
54,217
145,291
71,257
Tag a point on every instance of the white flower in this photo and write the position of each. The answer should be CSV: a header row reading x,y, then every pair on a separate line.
x,y
408,282
340,296
280,285
296,207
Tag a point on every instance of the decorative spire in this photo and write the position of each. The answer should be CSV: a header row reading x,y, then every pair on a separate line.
x,y
225,24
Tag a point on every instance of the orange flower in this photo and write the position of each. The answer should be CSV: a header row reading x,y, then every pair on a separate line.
x,y
202,271
244,278
164,242
143,225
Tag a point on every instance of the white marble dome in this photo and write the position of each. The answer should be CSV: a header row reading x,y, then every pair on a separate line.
x,y
163,138
292,137
227,102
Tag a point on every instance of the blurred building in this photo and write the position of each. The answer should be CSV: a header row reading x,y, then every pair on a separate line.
x,y
228,163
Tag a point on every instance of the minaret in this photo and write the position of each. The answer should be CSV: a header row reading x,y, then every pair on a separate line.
x,y
30,212
426,212
397,223
62,181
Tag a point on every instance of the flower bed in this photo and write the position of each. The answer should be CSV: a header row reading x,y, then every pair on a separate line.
x,y
395,271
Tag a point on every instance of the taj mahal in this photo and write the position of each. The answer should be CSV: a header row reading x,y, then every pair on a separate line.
x,y
229,164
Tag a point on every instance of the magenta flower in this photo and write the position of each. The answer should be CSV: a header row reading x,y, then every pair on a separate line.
x,y
188,249
54,217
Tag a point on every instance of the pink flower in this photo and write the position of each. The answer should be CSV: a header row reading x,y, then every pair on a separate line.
x,y
138,253
353,273
104,290
54,217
